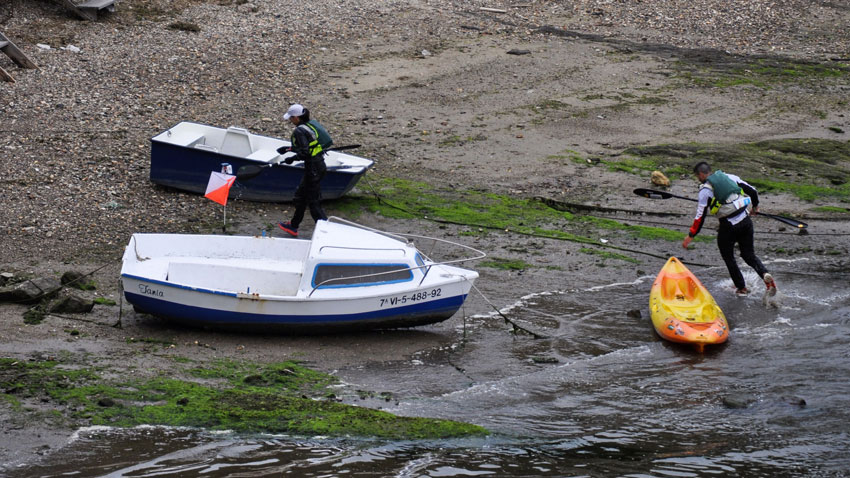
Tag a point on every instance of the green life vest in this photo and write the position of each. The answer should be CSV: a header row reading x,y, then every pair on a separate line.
x,y
324,138
728,196
315,147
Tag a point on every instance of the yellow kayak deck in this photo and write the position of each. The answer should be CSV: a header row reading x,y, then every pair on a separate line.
x,y
682,309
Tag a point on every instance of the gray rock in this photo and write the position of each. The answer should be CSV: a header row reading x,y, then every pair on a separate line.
x,y
30,291
741,400
72,278
72,304
5,277
77,280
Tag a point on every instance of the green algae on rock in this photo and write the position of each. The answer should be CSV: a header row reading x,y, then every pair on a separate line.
x,y
251,398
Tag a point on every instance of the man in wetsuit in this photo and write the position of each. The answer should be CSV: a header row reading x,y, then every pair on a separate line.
x,y
733,200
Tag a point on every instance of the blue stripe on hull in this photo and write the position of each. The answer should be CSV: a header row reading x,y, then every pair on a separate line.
x,y
189,169
405,316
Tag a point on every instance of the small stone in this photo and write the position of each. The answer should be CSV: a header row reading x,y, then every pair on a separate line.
x,y
659,179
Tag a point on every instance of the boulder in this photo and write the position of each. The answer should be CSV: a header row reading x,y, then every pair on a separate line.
x,y
72,304
30,291
77,280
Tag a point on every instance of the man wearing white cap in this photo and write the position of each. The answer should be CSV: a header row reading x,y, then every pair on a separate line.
x,y
309,141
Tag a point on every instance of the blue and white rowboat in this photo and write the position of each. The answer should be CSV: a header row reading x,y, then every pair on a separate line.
x,y
346,277
183,156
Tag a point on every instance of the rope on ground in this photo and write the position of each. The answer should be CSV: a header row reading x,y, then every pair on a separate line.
x,y
513,324
44,294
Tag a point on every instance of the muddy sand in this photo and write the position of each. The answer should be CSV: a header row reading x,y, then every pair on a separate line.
x,y
541,101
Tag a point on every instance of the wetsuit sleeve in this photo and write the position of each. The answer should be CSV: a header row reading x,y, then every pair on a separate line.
x,y
705,196
301,145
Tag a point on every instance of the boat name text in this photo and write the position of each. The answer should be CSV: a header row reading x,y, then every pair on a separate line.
x,y
147,290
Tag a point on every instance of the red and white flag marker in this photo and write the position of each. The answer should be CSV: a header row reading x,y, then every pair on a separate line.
x,y
218,188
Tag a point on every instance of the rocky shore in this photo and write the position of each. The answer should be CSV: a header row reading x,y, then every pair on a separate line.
x,y
538,99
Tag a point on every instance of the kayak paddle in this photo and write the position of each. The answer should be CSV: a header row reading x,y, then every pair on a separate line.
x,y
250,171
654,194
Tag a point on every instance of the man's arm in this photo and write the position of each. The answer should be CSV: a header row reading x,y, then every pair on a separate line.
x,y
705,196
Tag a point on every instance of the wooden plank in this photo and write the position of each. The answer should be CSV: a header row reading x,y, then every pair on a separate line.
x,y
6,76
15,53
96,4
85,14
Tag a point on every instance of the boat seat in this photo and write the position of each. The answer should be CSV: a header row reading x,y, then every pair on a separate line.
x,y
237,142
249,276
264,155
206,147
186,138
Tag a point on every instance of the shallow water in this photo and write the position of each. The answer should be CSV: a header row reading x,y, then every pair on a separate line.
x,y
600,395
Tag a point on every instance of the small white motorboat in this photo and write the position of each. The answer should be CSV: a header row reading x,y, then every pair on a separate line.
x,y
347,277
183,156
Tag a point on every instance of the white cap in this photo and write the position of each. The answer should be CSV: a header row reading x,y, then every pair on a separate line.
x,y
294,110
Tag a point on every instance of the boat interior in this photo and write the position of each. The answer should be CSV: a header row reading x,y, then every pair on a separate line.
x,y
235,141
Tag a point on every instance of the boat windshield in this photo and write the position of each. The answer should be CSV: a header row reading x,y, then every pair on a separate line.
x,y
358,275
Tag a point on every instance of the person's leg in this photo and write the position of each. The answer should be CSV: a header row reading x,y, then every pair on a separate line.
x,y
314,196
744,236
300,200
726,244
291,227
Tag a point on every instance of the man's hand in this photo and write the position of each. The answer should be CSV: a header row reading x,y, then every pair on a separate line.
x,y
755,211
687,241
283,150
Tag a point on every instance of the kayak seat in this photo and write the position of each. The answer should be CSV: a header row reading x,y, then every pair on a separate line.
x,y
683,289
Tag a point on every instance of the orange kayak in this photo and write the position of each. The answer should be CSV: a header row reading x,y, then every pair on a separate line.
x,y
682,310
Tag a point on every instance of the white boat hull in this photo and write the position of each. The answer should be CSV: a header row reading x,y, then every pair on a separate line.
x,y
345,277
209,308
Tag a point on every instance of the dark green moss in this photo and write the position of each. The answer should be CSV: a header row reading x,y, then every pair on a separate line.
x,y
505,264
609,255
281,397
729,71
836,209
404,199
808,168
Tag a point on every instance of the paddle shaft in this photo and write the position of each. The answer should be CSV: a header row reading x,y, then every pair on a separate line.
x,y
250,171
653,194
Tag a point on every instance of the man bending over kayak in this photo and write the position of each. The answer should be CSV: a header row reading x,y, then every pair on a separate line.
x,y
733,200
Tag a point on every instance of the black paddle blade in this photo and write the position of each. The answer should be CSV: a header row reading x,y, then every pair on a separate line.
x,y
652,194
786,220
249,171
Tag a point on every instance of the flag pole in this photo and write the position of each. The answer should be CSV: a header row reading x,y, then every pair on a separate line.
x,y
224,226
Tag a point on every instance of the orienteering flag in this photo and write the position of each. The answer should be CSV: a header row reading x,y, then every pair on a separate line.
x,y
219,187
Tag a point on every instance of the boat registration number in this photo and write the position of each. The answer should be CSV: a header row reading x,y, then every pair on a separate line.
x,y
414,297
